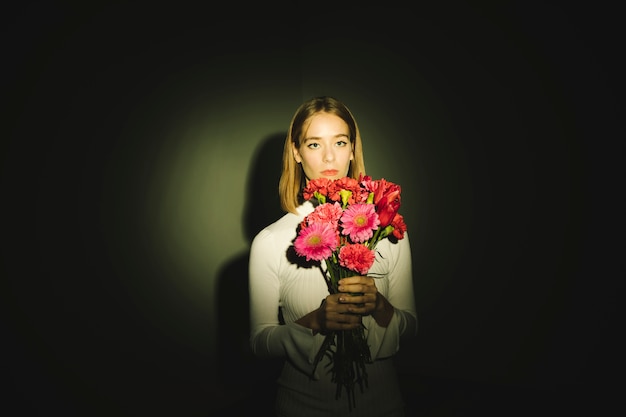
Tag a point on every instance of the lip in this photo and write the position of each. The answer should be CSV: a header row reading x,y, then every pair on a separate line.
x,y
330,172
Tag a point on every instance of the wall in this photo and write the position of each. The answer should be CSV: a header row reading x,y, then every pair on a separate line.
x,y
138,141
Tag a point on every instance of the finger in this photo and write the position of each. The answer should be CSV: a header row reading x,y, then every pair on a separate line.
x,y
357,309
342,314
352,288
332,298
338,306
337,320
363,284
358,290
352,298
357,279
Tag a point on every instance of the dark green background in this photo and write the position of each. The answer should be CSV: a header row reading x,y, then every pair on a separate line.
x,y
500,123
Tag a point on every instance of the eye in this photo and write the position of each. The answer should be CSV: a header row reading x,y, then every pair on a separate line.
x,y
313,145
341,143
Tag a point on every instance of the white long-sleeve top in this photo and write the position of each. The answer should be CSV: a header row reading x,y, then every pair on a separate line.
x,y
276,280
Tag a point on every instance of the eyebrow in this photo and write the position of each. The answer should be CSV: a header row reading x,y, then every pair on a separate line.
x,y
340,135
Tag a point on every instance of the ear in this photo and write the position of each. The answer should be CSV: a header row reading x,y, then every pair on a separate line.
x,y
296,154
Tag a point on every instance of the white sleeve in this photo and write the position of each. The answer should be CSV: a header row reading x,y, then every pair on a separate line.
x,y
268,338
385,341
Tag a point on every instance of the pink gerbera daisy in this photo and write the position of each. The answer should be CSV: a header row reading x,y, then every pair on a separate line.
x,y
359,222
356,257
316,241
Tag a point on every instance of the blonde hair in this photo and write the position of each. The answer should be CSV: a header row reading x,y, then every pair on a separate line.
x,y
292,178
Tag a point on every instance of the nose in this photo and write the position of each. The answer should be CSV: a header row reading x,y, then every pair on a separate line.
x,y
329,155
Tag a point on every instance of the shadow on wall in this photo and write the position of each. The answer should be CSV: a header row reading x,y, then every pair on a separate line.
x,y
244,377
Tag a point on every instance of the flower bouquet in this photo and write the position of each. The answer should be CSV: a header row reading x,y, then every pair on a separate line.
x,y
349,219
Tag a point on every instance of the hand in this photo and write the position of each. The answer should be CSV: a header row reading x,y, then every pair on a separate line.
x,y
359,294
358,297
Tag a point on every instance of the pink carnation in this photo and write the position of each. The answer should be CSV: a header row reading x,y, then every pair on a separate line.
x,y
356,257
346,184
326,213
359,222
319,185
317,241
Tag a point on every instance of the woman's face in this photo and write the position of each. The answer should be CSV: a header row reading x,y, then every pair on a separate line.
x,y
325,149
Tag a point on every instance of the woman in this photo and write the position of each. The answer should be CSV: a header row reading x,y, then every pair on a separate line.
x,y
324,142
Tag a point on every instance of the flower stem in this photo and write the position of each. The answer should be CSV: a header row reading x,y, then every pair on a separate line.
x,y
351,351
